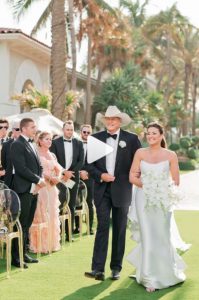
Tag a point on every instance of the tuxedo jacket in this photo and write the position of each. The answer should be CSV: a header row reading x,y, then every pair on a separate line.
x,y
27,165
6,162
78,155
121,188
1,147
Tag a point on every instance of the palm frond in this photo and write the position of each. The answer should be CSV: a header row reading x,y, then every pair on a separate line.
x,y
42,19
106,6
20,7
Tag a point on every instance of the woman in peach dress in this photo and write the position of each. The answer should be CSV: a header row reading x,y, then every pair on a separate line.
x,y
48,202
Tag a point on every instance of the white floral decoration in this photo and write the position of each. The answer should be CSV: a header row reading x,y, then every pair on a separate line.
x,y
159,191
122,144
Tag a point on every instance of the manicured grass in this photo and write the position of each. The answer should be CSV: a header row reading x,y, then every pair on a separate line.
x,y
60,276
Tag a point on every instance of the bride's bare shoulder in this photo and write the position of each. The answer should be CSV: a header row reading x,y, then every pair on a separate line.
x,y
141,152
171,155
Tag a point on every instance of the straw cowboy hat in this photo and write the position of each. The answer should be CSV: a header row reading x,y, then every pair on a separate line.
x,y
113,112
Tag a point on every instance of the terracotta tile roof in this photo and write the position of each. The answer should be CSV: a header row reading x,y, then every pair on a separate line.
x,y
10,30
15,30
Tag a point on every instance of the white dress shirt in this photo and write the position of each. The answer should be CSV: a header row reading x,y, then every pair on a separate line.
x,y
68,149
85,149
111,157
31,144
35,152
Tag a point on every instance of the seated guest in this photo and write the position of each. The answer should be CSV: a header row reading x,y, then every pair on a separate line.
x,y
48,202
5,154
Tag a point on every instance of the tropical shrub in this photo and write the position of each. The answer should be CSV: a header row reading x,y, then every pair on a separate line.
x,y
187,165
174,147
185,142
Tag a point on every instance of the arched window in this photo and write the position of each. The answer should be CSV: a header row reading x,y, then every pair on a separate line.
x,y
27,84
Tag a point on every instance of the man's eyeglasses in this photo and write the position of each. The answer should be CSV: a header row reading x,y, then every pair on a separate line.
x,y
5,127
16,129
86,132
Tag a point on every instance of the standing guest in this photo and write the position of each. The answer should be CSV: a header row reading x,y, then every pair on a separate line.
x,y
112,192
70,155
85,131
5,154
48,202
4,125
26,183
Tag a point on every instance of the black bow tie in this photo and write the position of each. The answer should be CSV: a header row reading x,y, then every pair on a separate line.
x,y
114,136
69,141
84,142
30,141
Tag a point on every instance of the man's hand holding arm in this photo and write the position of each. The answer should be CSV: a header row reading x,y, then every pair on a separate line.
x,y
67,175
107,177
84,175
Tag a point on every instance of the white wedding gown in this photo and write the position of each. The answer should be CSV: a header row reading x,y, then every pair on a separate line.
x,y
155,257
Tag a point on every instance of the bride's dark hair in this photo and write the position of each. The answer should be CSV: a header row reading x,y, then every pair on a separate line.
x,y
163,143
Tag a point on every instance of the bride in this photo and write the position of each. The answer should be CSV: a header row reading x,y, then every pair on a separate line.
x,y
156,260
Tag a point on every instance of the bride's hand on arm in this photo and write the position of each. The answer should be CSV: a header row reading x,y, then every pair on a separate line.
x,y
174,168
134,176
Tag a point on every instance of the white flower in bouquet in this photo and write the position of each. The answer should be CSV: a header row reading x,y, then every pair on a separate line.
x,y
160,191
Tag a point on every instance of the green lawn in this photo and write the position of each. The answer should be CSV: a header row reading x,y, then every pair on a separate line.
x,y
60,276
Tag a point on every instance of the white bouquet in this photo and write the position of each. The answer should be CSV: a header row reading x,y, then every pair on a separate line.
x,y
160,191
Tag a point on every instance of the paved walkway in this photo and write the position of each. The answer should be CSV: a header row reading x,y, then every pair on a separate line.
x,y
189,185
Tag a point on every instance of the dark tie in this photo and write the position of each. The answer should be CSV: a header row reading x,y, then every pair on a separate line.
x,y
69,141
30,141
114,136
2,140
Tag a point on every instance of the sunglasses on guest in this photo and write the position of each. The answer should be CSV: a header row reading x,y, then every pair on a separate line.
x,y
86,132
16,129
5,127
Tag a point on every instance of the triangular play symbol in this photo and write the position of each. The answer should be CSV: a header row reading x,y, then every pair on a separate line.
x,y
96,149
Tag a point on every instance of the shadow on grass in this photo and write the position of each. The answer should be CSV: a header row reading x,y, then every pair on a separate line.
x,y
137,292
3,265
89,292
128,289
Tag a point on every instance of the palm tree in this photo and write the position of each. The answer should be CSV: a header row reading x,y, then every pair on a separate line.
x,y
136,10
136,14
163,35
55,8
58,58
189,54
105,35
73,43
22,5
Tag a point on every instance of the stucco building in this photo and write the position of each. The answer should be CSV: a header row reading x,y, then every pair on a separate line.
x,y
25,60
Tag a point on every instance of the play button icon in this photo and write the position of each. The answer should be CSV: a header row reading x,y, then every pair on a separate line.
x,y
96,149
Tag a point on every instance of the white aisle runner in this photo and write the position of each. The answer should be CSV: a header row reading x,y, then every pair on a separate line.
x,y
189,185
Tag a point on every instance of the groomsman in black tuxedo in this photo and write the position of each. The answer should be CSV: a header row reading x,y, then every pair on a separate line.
x,y
70,155
5,154
85,131
4,125
112,192
26,183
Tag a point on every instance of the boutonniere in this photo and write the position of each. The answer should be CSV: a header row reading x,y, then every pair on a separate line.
x,y
122,144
